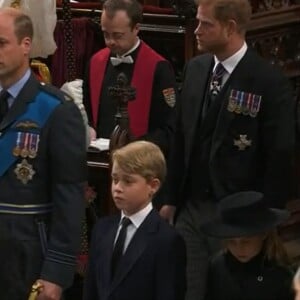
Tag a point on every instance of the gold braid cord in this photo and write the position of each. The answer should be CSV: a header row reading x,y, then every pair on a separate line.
x,y
35,289
41,70
16,4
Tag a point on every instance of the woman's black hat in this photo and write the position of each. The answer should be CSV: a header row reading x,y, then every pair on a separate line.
x,y
244,214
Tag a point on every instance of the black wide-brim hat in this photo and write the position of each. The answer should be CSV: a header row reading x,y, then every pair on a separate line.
x,y
244,214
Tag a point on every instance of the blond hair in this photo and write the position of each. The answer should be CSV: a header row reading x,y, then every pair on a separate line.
x,y
225,10
297,276
142,158
275,250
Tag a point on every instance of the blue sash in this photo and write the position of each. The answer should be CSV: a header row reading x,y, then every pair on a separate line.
x,y
38,111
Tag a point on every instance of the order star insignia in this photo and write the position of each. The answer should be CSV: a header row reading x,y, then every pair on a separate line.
x,y
243,142
24,171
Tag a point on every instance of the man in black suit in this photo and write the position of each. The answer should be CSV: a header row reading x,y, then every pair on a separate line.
x,y
235,130
42,170
136,255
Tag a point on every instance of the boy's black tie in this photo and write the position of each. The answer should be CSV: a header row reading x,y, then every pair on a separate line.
x,y
119,245
3,103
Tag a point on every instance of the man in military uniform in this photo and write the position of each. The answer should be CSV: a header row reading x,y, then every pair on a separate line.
x,y
149,73
42,170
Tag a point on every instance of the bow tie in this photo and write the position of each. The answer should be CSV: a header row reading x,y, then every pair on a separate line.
x,y
115,61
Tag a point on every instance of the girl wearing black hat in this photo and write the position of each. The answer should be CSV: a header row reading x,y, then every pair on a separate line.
x,y
254,263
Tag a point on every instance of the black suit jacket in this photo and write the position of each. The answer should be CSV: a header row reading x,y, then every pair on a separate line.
x,y
60,170
153,266
264,166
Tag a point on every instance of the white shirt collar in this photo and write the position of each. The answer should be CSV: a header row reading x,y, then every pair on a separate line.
x,y
231,62
138,218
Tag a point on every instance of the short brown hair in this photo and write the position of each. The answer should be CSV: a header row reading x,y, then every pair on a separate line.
x,y
142,158
23,27
237,10
132,7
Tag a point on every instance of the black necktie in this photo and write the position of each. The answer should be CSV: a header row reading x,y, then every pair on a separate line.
x,y
3,103
119,245
216,80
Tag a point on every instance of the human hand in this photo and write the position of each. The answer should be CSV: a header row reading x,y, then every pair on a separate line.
x,y
49,291
93,134
167,212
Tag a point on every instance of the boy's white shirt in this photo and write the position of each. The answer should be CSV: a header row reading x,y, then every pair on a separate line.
x,y
136,220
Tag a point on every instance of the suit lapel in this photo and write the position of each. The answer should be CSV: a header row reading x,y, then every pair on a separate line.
x,y
240,79
105,253
136,247
26,95
197,94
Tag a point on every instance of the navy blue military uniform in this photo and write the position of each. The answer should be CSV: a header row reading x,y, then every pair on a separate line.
x,y
41,199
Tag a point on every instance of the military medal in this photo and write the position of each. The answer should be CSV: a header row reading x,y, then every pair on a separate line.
x,y
232,101
246,104
238,108
215,88
24,150
24,171
242,143
33,145
255,106
17,150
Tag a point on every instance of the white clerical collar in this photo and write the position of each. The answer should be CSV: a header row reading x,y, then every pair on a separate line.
x,y
231,62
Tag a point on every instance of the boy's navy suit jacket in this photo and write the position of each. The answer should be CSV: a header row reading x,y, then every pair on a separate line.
x,y
153,266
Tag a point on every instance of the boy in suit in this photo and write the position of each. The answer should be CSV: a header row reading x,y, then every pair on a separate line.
x,y
136,255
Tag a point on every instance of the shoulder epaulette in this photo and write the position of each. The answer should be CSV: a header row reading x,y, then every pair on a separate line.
x,y
52,90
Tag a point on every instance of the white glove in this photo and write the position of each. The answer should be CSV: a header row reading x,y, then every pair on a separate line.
x,y
74,90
